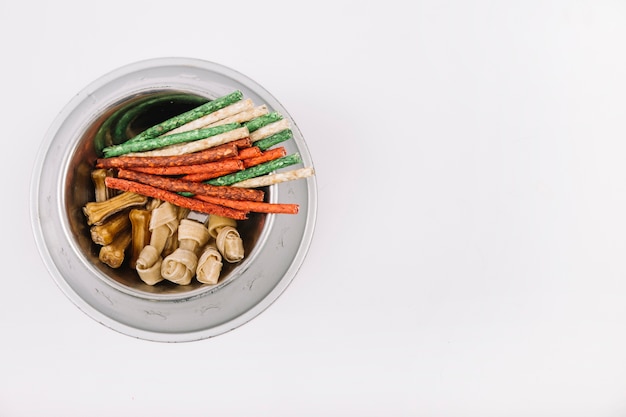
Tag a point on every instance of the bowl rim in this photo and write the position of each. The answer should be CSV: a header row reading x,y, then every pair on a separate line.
x,y
162,318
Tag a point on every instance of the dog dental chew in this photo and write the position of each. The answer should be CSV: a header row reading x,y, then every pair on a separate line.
x,y
227,238
174,198
209,265
270,179
269,130
100,189
244,116
104,233
140,228
257,170
217,153
180,266
163,224
113,254
98,211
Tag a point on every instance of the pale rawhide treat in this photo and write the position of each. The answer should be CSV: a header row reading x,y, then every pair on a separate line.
x,y
270,129
180,266
172,241
227,238
209,265
244,116
270,179
217,223
163,223
230,245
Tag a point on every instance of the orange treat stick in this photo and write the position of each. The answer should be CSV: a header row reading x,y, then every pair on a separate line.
x,y
176,199
252,206
178,185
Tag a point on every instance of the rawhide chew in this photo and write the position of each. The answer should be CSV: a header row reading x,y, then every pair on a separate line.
x,y
180,266
113,254
97,211
163,223
209,265
104,233
140,227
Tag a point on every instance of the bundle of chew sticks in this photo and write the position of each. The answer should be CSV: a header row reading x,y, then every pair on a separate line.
x,y
212,159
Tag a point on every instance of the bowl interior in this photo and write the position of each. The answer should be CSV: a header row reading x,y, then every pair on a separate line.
x,y
114,125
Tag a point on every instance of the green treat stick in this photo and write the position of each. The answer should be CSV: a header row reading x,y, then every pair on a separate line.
x,y
128,115
188,116
162,141
261,121
255,171
266,143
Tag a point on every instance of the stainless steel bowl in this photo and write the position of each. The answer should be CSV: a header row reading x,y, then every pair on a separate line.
x,y
276,245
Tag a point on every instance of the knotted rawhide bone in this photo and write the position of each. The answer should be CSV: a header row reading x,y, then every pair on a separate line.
x,y
172,242
140,226
227,238
230,245
163,223
180,266
209,265
104,233
113,253
217,223
97,211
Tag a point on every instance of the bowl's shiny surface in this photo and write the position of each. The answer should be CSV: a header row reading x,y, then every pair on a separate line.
x,y
275,244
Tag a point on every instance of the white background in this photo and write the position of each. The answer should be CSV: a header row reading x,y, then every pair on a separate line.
x,y
468,258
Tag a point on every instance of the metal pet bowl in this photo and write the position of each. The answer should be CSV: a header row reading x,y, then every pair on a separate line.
x,y
275,244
